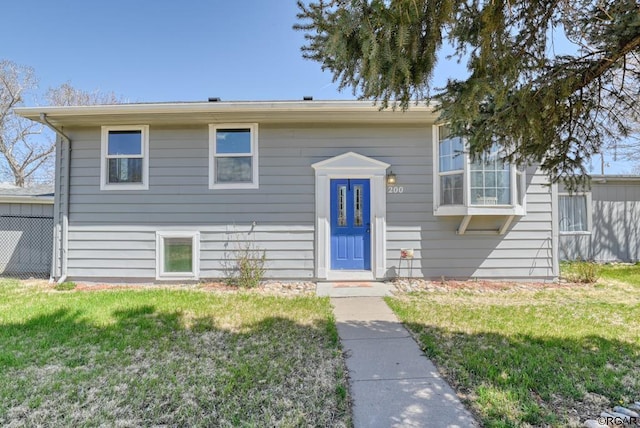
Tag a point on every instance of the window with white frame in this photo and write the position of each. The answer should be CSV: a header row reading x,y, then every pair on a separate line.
x,y
520,186
490,179
451,168
574,213
233,156
177,254
124,158
482,185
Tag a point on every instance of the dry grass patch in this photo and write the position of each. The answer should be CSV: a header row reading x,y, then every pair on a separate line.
x,y
167,357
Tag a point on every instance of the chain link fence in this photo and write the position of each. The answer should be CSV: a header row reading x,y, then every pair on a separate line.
x,y
25,246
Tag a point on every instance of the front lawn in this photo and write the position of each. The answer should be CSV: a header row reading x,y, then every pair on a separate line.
x,y
625,273
167,357
551,357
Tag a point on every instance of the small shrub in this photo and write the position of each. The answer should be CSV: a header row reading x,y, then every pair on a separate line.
x,y
246,267
65,286
583,272
250,268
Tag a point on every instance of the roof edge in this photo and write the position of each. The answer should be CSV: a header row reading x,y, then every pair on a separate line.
x,y
213,107
44,200
614,177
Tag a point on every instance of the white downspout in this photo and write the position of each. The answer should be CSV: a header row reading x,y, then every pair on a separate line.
x,y
555,234
65,206
56,214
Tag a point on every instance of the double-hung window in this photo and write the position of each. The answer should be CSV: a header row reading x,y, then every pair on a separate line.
x,y
451,171
233,156
482,185
490,179
575,213
124,158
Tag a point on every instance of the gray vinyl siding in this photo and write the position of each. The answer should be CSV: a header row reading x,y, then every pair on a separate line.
x,y
615,233
112,234
524,252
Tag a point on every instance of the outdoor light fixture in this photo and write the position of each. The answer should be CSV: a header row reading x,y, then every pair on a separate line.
x,y
391,178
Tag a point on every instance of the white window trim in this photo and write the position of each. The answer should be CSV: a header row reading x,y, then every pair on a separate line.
x,y
254,156
104,145
195,248
588,198
467,209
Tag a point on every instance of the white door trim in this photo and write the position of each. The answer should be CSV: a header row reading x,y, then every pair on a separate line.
x,y
351,165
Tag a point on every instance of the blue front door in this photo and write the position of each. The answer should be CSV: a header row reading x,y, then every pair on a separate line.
x,y
350,225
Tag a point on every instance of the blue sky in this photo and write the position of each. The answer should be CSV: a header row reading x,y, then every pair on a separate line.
x,y
167,50
161,50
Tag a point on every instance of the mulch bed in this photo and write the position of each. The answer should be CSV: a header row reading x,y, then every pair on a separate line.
x,y
272,287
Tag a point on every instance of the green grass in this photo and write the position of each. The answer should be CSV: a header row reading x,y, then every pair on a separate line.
x,y
65,286
621,272
167,357
535,358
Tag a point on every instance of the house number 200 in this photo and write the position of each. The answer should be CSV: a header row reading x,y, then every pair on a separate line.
x,y
395,189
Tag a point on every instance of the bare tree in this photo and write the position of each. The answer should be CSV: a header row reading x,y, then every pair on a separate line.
x,y
626,148
26,149
67,95
22,155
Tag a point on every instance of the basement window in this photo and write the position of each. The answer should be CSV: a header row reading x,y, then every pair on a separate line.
x,y
177,255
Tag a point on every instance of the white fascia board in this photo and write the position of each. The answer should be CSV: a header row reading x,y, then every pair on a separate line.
x,y
60,112
142,108
600,179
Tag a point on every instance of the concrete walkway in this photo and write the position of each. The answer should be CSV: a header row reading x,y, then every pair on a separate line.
x,y
392,383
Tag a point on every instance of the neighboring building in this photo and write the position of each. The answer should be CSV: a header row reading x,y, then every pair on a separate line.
x,y
26,226
602,224
331,190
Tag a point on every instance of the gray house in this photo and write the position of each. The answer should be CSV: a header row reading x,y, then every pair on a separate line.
x,y
330,190
602,224
26,223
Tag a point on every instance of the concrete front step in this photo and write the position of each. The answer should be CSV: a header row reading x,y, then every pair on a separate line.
x,y
354,289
